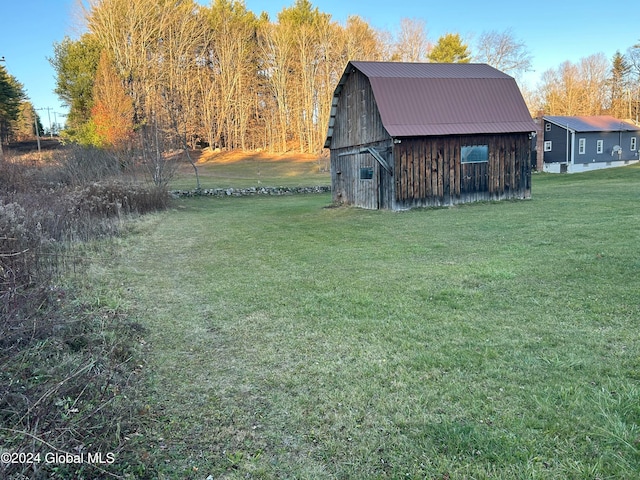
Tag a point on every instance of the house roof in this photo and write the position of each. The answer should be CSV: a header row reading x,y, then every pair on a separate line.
x,y
600,123
423,99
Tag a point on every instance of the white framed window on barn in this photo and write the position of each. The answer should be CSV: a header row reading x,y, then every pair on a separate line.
x,y
600,146
547,146
582,146
633,144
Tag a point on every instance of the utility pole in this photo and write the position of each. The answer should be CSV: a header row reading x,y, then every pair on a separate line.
x,y
55,120
48,109
35,123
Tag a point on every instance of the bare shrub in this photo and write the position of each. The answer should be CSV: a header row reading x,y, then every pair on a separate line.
x,y
83,165
115,198
159,167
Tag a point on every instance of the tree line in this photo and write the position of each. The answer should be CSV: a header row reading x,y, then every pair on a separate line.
x,y
162,74
18,118
176,73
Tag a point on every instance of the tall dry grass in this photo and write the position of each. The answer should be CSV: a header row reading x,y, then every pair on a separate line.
x,y
68,366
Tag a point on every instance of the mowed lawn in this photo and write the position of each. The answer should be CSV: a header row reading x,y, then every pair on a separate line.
x,y
493,340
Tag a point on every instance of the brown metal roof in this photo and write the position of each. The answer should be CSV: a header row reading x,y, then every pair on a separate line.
x,y
422,99
600,123
427,70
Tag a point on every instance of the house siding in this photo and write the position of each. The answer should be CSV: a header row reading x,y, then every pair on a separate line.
x,y
348,186
565,155
610,139
358,125
560,144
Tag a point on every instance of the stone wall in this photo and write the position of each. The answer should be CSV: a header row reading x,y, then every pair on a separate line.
x,y
250,191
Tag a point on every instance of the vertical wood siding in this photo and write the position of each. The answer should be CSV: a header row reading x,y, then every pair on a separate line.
x,y
429,172
351,189
357,120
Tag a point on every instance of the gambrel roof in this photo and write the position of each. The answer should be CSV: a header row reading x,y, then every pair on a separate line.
x,y
425,99
599,123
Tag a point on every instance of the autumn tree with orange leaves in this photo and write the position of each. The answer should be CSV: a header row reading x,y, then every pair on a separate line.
x,y
112,112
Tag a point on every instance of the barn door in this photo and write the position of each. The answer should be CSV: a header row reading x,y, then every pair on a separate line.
x,y
368,182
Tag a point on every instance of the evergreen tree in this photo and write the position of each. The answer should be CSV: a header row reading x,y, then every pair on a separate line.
x,y
24,126
11,95
76,63
619,85
450,49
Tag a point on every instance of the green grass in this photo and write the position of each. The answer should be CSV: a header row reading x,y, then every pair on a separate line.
x,y
493,340
254,172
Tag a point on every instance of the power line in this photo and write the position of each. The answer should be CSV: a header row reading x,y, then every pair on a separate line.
x,y
48,109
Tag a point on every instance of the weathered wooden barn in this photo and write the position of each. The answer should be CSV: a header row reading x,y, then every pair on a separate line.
x,y
579,144
405,135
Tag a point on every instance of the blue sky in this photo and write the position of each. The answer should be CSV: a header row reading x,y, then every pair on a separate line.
x,y
571,30
28,29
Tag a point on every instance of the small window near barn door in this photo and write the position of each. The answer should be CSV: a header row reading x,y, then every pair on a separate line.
x,y
547,146
600,146
582,143
633,144
474,153
366,173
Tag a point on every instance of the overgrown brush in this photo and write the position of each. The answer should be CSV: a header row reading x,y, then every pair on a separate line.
x,y
83,165
70,384
39,228
68,368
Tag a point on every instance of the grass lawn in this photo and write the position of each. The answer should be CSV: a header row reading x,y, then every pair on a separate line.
x,y
493,340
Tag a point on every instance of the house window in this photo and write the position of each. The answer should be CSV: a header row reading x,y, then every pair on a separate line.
x,y
582,143
474,153
547,127
547,146
633,144
600,146
366,173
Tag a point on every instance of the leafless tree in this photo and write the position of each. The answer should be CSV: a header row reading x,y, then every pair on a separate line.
x,y
232,71
633,58
276,46
360,41
411,44
504,52
576,89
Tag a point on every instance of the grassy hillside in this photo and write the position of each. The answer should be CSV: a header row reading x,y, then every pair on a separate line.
x,y
239,170
494,340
